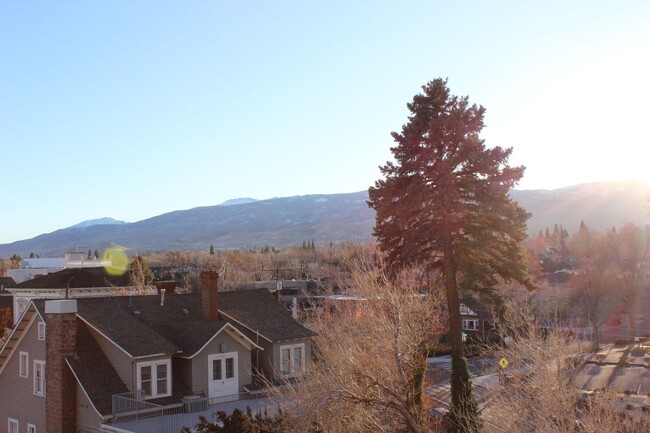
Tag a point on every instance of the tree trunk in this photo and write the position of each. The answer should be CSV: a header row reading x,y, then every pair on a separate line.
x,y
631,315
595,336
464,416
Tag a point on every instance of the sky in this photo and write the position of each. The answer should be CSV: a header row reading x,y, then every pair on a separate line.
x,y
130,109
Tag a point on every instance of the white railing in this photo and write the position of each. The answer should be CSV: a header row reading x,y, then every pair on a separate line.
x,y
132,413
128,402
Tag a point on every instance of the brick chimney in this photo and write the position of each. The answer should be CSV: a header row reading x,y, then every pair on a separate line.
x,y
166,287
60,386
209,288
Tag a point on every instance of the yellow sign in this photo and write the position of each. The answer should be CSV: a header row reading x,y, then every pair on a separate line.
x,y
503,363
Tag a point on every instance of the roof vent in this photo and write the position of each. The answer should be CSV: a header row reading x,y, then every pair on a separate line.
x,y
136,313
186,311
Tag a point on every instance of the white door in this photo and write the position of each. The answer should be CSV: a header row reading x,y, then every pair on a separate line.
x,y
222,375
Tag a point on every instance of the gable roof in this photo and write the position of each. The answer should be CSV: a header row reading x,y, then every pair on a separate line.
x,y
76,278
113,318
477,307
141,326
94,372
260,311
7,282
144,326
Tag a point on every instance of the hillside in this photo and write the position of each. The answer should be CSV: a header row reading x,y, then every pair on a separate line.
x,y
288,221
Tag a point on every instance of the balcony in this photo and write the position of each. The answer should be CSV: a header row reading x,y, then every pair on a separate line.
x,y
132,414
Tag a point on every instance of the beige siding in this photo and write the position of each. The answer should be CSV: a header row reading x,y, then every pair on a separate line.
x,y
269,358
276,354
87,416
223,341
17,399
265,358
122,363
134,370
264,361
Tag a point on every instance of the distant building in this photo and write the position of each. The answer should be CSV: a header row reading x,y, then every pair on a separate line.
x,y
32,268
69,283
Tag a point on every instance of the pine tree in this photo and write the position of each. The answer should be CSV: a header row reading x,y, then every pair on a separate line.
x,y
443,204
96,254
211,250
89,256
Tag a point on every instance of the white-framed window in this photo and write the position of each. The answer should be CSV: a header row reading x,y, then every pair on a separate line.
x,y
41,331
12,425
154,378
39,378
31,428
470,324
23,364
292,359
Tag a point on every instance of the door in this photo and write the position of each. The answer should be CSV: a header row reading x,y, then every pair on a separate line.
x,y
223,379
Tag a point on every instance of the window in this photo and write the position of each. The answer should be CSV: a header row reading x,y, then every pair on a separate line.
x,y
12,425
230,368
154,378
31,428
470,325
24,364
39,378
292,359
41,331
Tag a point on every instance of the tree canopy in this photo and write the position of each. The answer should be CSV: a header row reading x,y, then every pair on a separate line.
x,y
445,186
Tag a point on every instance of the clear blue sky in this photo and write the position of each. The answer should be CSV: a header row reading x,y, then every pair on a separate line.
x,y
130,109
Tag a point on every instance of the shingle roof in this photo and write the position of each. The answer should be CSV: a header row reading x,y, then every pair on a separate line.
x,y
142,326
186,332
6,301
7,282
260,311
76,278
113,317
94,372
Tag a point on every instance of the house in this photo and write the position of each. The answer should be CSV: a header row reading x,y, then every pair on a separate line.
x,y
71,364
6,300
6,282
69,283
477,321
34,267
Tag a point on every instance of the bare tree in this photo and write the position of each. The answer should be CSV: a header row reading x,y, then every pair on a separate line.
x,y
632,247
539,392
371,359
595,281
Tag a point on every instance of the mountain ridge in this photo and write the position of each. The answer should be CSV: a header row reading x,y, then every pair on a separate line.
x,y
286,221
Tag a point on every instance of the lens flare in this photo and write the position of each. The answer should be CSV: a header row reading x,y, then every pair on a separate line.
x,y
119,261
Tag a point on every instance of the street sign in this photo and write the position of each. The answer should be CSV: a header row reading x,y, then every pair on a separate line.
x,y
503,363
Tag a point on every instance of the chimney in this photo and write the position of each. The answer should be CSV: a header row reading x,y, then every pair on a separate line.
x,y
166,287
60,385
209,288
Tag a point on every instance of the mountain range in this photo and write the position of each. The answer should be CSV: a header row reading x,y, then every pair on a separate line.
x,y
281,222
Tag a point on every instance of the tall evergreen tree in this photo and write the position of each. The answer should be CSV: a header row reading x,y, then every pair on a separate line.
x,y
211,250
443,204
